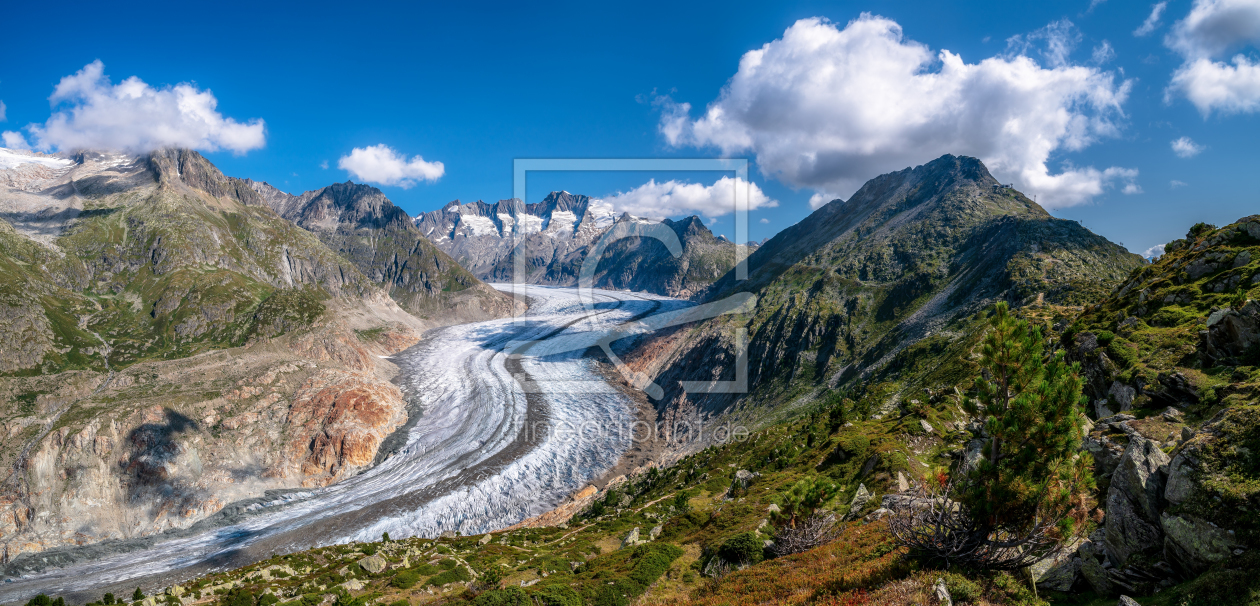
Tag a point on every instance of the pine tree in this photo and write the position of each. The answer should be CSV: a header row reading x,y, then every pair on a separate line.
x,y
1023,499
137,596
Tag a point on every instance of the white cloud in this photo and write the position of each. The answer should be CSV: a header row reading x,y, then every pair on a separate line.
x,y
1212,29
1103,53
1154,252
1059,39
133,116
324,165
1185,147
14,140
1216,85
1215,27
1131,189
3,109
381,164
673,198
1175,184
765,221
827,108
1152,20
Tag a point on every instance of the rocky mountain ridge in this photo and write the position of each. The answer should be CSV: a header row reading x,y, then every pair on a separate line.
x,y
862,289
557,236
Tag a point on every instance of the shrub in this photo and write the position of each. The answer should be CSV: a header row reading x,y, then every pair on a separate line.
x,y
454,575
369,550
558,595
743,548
405,579
510,596
1105,337
1200,229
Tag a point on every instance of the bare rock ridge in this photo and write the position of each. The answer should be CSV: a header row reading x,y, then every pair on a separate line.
x,y
169,344
845,295
361,224
556,236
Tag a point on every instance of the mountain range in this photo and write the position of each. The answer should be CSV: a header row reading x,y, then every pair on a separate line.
x,y
556,237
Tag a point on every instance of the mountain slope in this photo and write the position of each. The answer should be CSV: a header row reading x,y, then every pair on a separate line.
x,y
169,345
556,237
361,224
844,292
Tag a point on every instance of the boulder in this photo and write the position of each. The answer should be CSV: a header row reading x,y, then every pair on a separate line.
x,y
374,564
631,539
1141,476
1093,567
1180,484
1232,335
860,499
1059,572
1135,500
926,427
656,532
903,485
1195,544
941,593
1127,601
1123,395
972,456
485,539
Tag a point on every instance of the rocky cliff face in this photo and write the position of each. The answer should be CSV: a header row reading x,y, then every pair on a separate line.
x,y
864,289
361,224
170,345
556,237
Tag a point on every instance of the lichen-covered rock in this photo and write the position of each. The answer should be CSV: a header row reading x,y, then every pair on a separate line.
x,y
1135,500
860,499
1058,573
374,564
1093,567
1231,334
1195,544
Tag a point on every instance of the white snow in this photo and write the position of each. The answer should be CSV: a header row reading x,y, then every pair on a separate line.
x,y
602,212
480,226
561,221
530,224
10,158
507,222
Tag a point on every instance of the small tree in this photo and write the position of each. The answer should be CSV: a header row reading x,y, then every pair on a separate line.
x,y
802,525
137,596
1023,498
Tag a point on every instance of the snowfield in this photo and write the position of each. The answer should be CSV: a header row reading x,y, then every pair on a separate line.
x,y
512,419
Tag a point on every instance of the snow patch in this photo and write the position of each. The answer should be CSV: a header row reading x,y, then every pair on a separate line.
x,y
480,226
12,159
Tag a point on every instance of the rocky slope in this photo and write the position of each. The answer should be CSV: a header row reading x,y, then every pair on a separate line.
x,y
361,224
169,344
1171,360
864,288
556,236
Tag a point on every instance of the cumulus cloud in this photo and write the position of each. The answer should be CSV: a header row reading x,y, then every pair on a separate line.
x,y
1154,252
133,116
1185,147
1216,85
765,221
14,140
382,165
1152,21
1212,29
674,198
827,108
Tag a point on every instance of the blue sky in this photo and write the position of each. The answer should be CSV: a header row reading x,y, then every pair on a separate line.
x,y
474,86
